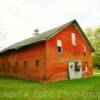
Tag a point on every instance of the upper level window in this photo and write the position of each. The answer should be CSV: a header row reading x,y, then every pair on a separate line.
x,y
59,46
84,51
73,39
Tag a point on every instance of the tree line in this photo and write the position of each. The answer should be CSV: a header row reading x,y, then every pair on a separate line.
x,y
94,36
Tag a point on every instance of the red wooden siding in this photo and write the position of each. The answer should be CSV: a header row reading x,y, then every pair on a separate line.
x,y
29,54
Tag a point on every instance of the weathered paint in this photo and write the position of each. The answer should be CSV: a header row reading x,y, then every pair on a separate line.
x,y
52,66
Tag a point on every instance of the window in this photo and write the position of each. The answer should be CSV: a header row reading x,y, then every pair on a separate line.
x,y
0,67
3,67
77,66
8,65
84,51
86,69
59,46
25,64
16,64
73,39
37,63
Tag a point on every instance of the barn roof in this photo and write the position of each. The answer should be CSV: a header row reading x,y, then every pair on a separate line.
x,y
46,35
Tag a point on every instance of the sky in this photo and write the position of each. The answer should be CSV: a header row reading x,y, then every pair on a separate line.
x,y
19,18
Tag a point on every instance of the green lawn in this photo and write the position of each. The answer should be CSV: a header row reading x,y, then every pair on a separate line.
x,y
80,89
96,71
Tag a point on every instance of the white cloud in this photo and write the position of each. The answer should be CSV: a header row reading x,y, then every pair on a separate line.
x,y
18,18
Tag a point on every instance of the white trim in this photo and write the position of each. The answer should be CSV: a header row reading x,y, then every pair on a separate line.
x,y
59,44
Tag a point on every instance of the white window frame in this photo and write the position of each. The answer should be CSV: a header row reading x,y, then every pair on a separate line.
x,y
73,39
59,44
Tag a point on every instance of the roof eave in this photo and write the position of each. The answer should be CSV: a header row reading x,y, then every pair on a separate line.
x,y
15,49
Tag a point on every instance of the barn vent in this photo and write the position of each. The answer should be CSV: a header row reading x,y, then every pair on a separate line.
x,y
36,31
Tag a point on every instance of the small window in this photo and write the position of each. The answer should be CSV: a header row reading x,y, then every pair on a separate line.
x,y
37,63
84,51
16,64
59,46
73,39
3,66
25,64
86,69
8,65
77,66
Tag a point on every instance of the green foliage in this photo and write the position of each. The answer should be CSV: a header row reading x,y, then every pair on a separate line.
x,y
94,36
96,61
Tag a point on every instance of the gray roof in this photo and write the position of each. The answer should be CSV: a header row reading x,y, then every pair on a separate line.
x,y
42,37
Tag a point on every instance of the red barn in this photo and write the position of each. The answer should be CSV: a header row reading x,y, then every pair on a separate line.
x,y
58,54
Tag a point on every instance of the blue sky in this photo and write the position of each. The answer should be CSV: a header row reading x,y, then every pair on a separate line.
x,y
18,18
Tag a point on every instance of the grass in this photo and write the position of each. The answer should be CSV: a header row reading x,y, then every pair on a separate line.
x,y
97,71
79,89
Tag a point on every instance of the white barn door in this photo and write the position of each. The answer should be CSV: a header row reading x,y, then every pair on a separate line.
x,y
75,71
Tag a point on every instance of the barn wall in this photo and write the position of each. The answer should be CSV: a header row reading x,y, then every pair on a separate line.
x,y
52,66
16,59
57,64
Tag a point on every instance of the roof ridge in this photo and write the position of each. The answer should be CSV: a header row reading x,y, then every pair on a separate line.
x,y
41,37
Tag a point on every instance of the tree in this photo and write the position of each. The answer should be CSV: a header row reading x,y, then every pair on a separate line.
x,y
94,36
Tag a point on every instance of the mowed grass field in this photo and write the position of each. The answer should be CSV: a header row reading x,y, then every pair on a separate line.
x,y
79,89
